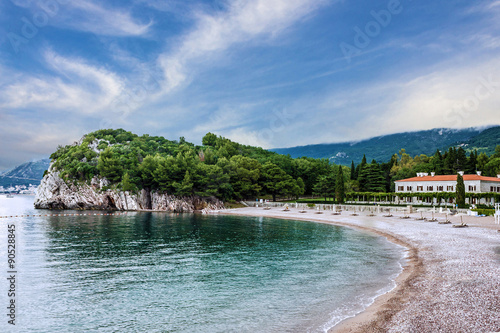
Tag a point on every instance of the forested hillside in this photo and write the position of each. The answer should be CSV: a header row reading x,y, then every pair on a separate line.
x,y
231,171
219,167
486,141
415,143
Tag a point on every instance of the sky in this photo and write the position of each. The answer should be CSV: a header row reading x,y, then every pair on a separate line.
x,y
270,73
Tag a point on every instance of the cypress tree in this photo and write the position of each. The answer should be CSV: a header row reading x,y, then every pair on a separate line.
x,y
460,192
353,171
339,186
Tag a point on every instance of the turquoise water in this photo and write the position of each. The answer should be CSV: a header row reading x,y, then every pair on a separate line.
x,y
159,272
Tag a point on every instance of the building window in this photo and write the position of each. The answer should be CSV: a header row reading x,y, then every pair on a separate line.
x,y
401,188
420,188
430,188
408,188
440,188
492,189
449,188
498,189
472,188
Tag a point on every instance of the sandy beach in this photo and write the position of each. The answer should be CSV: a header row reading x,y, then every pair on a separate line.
x,y
451,280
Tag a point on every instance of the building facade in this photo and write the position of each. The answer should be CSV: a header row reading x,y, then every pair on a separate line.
x,y
425,183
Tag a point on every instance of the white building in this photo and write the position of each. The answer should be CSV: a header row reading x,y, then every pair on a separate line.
x,y
425,183
447,183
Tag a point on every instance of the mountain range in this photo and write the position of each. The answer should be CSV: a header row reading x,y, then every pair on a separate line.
x,y
381,148
25,174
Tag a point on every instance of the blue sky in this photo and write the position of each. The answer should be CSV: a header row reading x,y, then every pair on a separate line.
x,y
273,73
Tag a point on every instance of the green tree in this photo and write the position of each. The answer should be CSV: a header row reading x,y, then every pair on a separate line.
x,y
210,180
184,188
497,152
450,162
245,174
209,139
482,160
472,163
109,166
460,191
353,171
462,161
325,186
371,178
340,186
126,185
437,163
492,168
299,188
274,180
147,171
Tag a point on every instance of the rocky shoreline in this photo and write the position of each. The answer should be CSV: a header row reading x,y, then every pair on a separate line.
x,y
55,193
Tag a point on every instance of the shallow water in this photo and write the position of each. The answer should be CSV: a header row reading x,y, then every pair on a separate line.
x,y
160,272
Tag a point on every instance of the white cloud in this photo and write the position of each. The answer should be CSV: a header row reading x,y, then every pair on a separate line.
x,y
88,16
76,87
454,96
243,21
103,21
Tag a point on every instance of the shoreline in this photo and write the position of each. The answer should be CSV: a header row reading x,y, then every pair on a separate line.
x,y
400,309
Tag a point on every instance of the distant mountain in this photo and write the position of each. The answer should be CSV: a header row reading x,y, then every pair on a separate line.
x,y
25,174
381,148
486,141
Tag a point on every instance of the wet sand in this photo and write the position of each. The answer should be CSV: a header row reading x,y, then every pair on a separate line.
x,y
450,283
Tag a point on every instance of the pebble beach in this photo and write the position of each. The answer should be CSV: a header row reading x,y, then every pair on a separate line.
x,y
451,279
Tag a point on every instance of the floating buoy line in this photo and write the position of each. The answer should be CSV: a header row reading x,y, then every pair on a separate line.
x,y
51,215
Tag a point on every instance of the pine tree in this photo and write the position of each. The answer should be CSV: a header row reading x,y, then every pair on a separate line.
x,y
325,186
437,163
340,186
126,185
471,163
449,165
371,178
353,171
185,188
460,191
461,163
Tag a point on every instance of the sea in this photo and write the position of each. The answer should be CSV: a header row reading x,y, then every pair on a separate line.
x,y
166,272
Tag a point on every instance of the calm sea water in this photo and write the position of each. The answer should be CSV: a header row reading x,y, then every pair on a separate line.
x,y
159,272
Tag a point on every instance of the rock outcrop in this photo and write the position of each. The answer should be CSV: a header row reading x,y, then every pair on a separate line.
x,y
54,193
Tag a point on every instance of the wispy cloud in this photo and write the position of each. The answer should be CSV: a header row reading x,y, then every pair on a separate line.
x,y
243,21
88,16
74,85
103,21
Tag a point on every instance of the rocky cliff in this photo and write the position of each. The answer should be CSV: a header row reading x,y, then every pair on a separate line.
x,y
54,193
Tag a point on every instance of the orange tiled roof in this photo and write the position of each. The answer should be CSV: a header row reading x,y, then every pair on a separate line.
x,y
444,178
